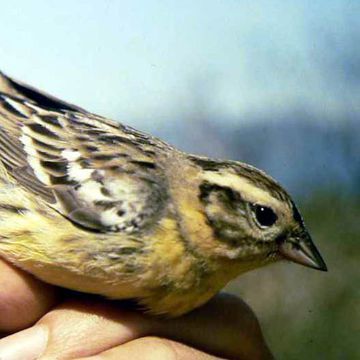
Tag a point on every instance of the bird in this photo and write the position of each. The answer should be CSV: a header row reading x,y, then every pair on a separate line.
x,y
93,205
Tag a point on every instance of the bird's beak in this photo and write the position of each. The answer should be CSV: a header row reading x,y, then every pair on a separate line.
x,y
299,248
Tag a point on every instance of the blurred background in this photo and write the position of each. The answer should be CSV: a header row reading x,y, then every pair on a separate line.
x,y
272,83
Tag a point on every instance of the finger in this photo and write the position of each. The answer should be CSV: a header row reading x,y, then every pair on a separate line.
x,y
83,327
23,299
225,327
77,328
152,348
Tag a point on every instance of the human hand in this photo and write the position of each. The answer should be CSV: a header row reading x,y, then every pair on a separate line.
x,y
87,327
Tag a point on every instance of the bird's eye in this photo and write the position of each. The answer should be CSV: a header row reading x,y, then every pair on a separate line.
x,y
264,215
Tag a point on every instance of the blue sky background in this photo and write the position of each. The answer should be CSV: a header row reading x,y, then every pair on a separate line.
x,y
272,83
142,61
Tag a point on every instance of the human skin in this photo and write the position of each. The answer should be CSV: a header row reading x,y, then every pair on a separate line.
x,y
63,325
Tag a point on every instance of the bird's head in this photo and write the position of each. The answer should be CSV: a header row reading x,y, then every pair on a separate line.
x,y
252,217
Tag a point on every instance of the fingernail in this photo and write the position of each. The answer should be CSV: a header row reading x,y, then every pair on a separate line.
x,y
28,344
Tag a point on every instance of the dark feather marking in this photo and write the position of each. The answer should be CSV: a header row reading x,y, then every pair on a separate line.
x,y
106,205
149,152
48,157
62,180
40,129
145,164
95,132
91,148
229,198
253,175
115,139
119,169
95,175
87,219
40,98
52,120
59,166
104,157
105,191
13,110
85,163
206,164
115,168
129,250
12,208
142,141
82,138
46,147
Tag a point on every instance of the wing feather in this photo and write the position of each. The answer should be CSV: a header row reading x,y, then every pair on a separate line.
x,y
101,175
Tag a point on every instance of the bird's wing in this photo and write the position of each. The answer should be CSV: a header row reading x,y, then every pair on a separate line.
x,y
99,174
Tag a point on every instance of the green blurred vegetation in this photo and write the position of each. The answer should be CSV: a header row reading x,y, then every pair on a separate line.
x,y
308,314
